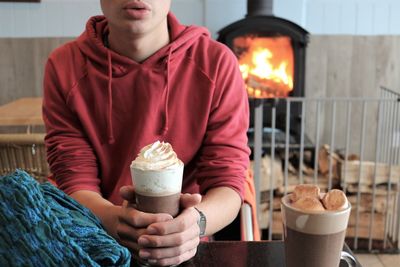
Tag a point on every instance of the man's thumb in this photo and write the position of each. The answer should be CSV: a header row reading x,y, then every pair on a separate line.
x,y
127,192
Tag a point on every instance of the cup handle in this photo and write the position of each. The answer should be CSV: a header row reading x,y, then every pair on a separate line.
x,y
348,258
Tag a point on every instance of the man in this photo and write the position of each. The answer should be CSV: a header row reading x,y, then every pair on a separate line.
x,y
133,77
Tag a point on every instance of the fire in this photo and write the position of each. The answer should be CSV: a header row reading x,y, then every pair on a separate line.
x,y
266,64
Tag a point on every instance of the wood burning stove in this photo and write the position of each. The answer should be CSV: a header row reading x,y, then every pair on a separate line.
x,y
271,52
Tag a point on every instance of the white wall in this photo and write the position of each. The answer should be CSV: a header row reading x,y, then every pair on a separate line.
x,y
355,17
52,18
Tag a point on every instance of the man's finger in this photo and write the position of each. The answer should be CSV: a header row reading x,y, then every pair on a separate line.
x,y
183,221
127,233
139,219
132,246
169,251
170,241
174,260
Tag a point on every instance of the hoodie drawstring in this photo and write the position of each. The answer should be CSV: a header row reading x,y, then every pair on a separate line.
x,y
110,129
168,61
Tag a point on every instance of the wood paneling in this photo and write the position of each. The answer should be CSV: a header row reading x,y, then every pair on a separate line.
x,y
22,61
352,65
336,65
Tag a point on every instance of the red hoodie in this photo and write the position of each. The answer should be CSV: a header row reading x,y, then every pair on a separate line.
x,y
100,108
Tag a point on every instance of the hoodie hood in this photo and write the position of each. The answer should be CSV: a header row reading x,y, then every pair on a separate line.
x,y
115,65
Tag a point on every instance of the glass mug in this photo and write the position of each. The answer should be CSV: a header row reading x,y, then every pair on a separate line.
x,y
315,239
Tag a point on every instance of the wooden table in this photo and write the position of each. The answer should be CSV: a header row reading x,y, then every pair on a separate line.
x,y
19,146
22,112
241,254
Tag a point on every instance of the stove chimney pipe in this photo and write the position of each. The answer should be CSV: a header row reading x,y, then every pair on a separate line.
x,y
260,8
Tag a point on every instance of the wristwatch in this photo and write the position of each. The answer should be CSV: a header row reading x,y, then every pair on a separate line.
x,y
202,222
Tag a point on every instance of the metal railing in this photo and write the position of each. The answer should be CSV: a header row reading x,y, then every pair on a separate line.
x,y
366,127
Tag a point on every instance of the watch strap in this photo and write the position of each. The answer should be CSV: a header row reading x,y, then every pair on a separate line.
x,y
202,222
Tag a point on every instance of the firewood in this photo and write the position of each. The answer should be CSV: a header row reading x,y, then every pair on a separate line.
x,y
277,227
292,169
276,202
307,170
323,160
365,204
266,173
381,189
267,87
364,226
327,158
352,172
353,157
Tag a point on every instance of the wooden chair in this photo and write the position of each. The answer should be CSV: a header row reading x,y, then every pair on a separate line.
x,y
24,151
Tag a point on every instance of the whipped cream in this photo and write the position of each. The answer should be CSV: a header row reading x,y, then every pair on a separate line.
x,y
157,156
157,171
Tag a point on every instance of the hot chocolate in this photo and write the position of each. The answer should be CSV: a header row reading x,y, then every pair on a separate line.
x,y
313,233
157,204
313,250
157,178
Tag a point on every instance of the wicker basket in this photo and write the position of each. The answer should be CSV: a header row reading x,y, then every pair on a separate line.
x,y
24,151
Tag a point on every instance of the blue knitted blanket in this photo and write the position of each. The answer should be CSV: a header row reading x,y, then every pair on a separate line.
x,y
42,226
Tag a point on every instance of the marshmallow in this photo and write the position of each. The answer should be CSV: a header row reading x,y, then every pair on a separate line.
x,y
335,200
308,204
305,190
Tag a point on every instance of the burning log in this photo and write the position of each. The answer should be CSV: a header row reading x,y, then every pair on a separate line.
x,y
267,88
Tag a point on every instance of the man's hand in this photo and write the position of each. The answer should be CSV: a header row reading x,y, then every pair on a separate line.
x,y
164,241
132,223
174,241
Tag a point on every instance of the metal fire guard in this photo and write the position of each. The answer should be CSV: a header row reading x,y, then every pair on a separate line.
x,y
366,133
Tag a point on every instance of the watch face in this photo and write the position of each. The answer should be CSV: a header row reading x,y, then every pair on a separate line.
x,y
202,224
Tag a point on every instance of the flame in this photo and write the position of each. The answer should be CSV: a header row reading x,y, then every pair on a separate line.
x,y
266,64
